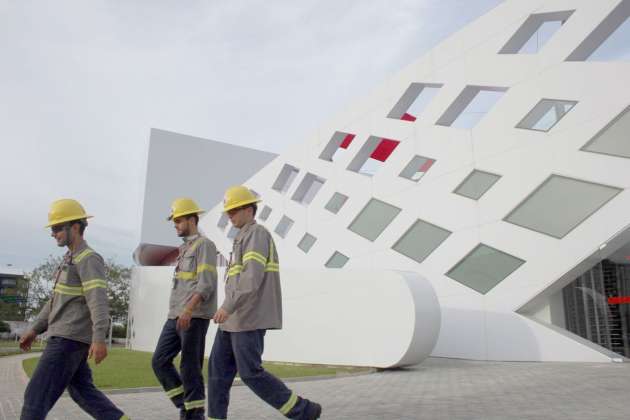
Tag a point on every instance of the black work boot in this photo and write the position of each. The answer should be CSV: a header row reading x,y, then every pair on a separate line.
x,y
313,411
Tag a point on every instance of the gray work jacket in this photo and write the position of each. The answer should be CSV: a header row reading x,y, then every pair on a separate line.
x,y
195,272
79,307
253,296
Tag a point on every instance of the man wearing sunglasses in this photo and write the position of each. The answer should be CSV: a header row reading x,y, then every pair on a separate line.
x,y
252,305
192,303
77,320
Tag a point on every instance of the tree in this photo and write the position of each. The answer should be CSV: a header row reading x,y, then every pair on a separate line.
x,y
40,284
118,278
41,281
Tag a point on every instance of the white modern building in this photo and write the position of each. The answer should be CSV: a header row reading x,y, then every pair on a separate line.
x,y
474,206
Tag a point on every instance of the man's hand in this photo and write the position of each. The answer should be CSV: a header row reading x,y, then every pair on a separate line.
x,y
27,340
220,316
183,321
98,351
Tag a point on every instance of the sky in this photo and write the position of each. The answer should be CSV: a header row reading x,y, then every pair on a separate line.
x,y
82,83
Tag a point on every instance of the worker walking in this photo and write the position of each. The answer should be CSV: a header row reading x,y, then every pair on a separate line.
x,y
253,305
77,320
192,303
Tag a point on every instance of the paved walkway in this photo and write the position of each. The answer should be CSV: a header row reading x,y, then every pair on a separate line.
x,y
435,390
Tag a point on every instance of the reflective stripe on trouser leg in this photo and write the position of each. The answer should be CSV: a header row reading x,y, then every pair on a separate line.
x,y
289,404
172,393
191,405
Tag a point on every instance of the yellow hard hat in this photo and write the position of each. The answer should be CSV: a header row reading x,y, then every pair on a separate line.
x,y
183,207
237,197
65,210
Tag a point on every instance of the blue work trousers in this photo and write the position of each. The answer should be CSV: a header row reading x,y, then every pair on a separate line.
x,y
186,391
241,352
64,365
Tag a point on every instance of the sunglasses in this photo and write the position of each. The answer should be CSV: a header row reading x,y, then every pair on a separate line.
x,y
57,228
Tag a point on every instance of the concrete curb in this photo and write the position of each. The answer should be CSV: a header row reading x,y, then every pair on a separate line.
x,y
239,382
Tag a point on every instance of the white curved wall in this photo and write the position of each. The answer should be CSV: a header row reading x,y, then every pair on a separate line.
x,y
337,317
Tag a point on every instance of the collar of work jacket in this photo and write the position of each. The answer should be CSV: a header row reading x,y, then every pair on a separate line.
x,y
81,247
189,239
245,228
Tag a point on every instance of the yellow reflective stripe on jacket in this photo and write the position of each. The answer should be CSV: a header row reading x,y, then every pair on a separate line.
x,y
184,275
94,284
77,259
191,405
289,404
175,391
272,267
206,267
234,270
64,289
255,256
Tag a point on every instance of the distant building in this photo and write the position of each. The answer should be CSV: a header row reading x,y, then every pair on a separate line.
x,y
13,294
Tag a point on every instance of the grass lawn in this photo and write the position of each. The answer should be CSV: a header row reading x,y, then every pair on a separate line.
x,y
10,347
131,369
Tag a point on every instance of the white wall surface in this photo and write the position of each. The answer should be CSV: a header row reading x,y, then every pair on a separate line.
x,y
187,166
337,317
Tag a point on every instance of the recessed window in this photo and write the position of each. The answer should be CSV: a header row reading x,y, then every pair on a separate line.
x,y
374,152
307,242
484,267
337,260
472,104
336,202
264,213
373,219
535,32
546,114
560,204
614,139
414,100
232,232
338,143
416,168
609,41
223,221
420,240
285,178
307,189
283,227
476,184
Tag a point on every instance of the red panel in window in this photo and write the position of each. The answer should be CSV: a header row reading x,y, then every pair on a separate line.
x,y
407,117
616,300
384,149
346,141
426,165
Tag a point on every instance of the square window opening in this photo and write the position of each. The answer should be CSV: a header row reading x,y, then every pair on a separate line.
x,y
336,202
336,146
420,240
609,40
283,227
308,188
470,106
307,242
337,260
416,168
413,102
535,32
476,184
285,178
373,219
546,114
372,155
264,213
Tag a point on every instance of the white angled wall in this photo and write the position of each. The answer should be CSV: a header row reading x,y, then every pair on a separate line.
x,y
476,325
